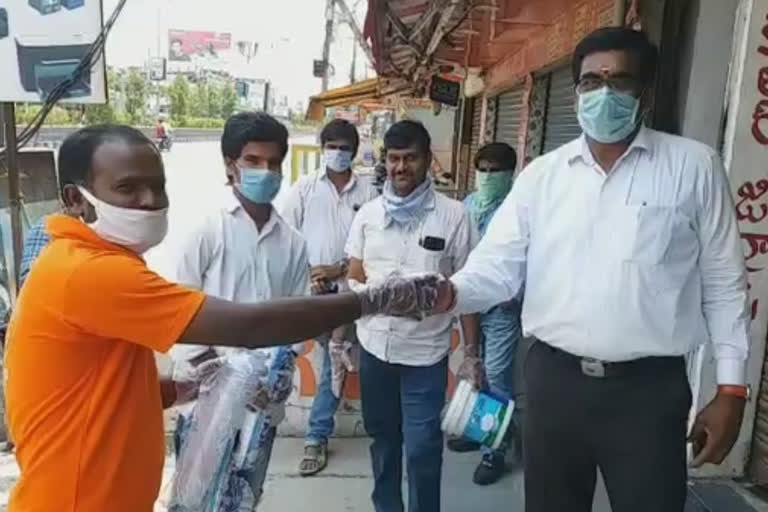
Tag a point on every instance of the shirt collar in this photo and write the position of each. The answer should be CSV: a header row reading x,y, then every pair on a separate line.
x,y
350,184
232,206
580,149
430,205
60,226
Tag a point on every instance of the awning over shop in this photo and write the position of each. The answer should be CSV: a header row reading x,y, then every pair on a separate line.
x,y
366,93
413,39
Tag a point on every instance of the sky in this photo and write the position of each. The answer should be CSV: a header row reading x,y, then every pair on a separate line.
x,y
289,32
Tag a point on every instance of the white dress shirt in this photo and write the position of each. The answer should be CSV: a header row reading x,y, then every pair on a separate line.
x,y
227,257
644,260
324,216
385,247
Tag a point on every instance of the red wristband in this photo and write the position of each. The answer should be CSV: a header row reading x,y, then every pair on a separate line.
x,y
739,391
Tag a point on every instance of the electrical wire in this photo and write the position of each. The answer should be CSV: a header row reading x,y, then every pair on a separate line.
x,y
89,60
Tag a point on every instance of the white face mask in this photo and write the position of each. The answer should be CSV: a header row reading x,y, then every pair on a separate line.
x,y
134,229
338,160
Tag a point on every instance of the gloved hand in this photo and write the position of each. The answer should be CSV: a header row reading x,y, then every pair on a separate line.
x,y
340,352
401,296
260,397
472,370
187,379
264,395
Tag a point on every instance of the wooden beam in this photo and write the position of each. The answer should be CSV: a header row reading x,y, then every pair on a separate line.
x,y
425,20
397,24
449,7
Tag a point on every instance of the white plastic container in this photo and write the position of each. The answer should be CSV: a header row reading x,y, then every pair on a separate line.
x,y
477,416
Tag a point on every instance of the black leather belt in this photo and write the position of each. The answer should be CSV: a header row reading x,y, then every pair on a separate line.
x,y
604,369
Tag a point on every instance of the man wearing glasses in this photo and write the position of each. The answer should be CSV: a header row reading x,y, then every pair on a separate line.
x,y
628,247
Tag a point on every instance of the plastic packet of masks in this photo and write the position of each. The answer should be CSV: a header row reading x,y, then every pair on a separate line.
x,y
204,463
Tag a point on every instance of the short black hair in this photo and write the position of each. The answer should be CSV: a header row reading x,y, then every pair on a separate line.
x,y
606,39
77,150
499,152
341,129
404,134
245,127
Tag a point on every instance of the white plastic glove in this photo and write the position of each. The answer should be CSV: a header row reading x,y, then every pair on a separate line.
x,y
414,296
340,352
187,379
472,369
264,395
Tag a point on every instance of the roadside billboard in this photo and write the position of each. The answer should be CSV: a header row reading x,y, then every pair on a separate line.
x,y
43,42
187,45
157,69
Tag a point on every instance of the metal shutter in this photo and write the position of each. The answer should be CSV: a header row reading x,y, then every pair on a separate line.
x,y
477,111
561,125
760,436
508,116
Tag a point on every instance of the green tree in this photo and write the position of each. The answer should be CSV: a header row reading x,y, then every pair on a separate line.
x,y
214,101
179,94
228,100
99,114
200,104
136,91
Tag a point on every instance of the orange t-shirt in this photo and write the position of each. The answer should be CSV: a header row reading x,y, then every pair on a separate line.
x,y
83,395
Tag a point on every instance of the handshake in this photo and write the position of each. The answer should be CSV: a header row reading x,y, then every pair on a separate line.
x,y
414,296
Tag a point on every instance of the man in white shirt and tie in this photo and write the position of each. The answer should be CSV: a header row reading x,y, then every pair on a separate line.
x,y
322,207
628,246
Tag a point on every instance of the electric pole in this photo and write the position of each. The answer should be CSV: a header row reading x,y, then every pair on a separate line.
x,y
329,13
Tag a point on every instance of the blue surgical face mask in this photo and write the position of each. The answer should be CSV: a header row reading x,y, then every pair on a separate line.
x,y
259,186
338,160
608,116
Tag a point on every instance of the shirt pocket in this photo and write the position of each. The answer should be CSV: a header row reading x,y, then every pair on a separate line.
x,y
433,261
645,233
660,248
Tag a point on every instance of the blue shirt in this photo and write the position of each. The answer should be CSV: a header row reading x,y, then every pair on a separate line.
x,y
34,243
481,220
501,321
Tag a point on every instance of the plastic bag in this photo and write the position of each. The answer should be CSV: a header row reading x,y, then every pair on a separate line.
x,y
204,464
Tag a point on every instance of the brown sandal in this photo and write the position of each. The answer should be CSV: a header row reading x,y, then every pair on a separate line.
x,y
315,459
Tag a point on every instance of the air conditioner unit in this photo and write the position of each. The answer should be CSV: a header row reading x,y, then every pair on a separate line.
x,y
45,6
42,68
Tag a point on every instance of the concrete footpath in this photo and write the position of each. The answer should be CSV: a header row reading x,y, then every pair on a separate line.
x,y
346,484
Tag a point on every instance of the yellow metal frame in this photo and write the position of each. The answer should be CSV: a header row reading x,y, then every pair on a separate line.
x,y
300,160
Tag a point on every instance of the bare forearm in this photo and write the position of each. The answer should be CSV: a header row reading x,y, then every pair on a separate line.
x,y
272,323
470,325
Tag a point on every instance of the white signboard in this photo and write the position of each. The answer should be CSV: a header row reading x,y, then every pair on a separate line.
x,y
746,158
42,43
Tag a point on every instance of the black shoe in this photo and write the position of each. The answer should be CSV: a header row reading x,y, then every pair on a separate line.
x,y
461,445
490,469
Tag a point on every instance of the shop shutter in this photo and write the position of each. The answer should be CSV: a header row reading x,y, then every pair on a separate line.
x,y
760,439
561,124
509,113
477,111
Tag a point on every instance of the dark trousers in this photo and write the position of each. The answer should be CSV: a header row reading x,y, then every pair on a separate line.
x,y
402,405
630,426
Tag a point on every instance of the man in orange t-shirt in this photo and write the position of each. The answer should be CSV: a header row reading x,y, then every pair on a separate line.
x,y
84,399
